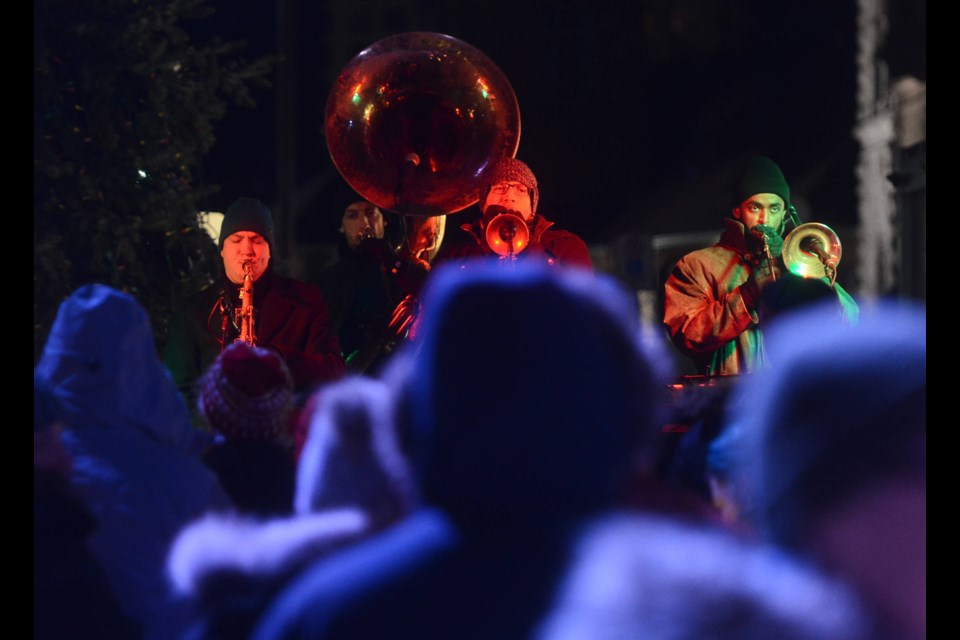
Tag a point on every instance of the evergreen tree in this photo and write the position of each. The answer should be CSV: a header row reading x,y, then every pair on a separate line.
x,y
124,110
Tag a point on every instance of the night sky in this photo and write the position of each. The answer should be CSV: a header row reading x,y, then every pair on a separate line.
x,y
635,116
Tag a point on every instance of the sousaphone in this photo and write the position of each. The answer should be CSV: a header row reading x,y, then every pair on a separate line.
x,y
414,119
411,123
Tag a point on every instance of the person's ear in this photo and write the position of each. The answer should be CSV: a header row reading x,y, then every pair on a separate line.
x,y
340,229
735,212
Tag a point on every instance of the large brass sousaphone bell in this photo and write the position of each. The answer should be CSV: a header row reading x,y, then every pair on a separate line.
x,y
812,250
413,120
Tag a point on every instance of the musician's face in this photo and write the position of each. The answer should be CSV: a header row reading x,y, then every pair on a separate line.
x,y
762,208
511,195
359,220
240,247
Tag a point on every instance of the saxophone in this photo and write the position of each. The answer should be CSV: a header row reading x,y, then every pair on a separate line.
x,y
245,312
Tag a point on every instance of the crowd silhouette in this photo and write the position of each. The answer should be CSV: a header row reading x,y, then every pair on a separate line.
x,y
502,477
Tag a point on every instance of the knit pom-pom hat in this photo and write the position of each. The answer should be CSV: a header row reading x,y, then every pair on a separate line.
x,y
247,393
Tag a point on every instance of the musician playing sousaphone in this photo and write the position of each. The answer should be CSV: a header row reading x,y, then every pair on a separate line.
x,y
288,316
371,290
714,297
509,227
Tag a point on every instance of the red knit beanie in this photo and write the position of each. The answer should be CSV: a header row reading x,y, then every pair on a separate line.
x,y
247,393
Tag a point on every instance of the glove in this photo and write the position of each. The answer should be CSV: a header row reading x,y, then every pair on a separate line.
x,y
765,272
761,235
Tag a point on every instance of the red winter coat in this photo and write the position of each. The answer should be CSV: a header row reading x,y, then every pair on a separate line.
x,y
556,247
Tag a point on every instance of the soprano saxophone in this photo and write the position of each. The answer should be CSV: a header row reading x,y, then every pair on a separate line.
x,y
245,312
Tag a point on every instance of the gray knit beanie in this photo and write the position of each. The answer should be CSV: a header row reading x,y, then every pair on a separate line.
x,y
509,169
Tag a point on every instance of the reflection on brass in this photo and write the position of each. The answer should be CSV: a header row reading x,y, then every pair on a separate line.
x,y
812,250
413,120
507,234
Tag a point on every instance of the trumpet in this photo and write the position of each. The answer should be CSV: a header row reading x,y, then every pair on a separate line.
x,y
245,312
812,250
506,232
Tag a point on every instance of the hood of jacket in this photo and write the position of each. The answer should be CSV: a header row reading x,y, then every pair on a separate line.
x,y
101,359
227,544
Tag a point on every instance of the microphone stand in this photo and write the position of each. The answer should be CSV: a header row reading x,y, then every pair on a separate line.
x,y
769,254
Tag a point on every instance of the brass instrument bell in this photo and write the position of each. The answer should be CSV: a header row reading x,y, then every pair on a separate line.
x,y
507,234
413,120
424,235
812,250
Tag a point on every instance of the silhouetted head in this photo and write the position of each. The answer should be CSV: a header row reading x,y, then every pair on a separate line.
x,y
530,393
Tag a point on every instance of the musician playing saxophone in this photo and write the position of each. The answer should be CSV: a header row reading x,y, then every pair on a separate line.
x,y
288,316
713,296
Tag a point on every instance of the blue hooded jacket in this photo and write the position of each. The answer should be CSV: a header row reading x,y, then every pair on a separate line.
x,y
136,454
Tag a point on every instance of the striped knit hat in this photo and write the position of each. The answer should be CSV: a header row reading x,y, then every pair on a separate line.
x,y
247,393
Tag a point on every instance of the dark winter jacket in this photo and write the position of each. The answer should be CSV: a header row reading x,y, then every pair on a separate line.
x,y
135,454
72,597
363,290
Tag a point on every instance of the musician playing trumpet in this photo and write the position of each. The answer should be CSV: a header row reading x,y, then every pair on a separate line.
x,y
509,227
287,316
713,296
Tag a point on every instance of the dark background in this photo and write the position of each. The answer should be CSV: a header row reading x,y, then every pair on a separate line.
x,y
635,116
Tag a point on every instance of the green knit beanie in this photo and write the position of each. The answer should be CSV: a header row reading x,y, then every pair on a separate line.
x,y
760,175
